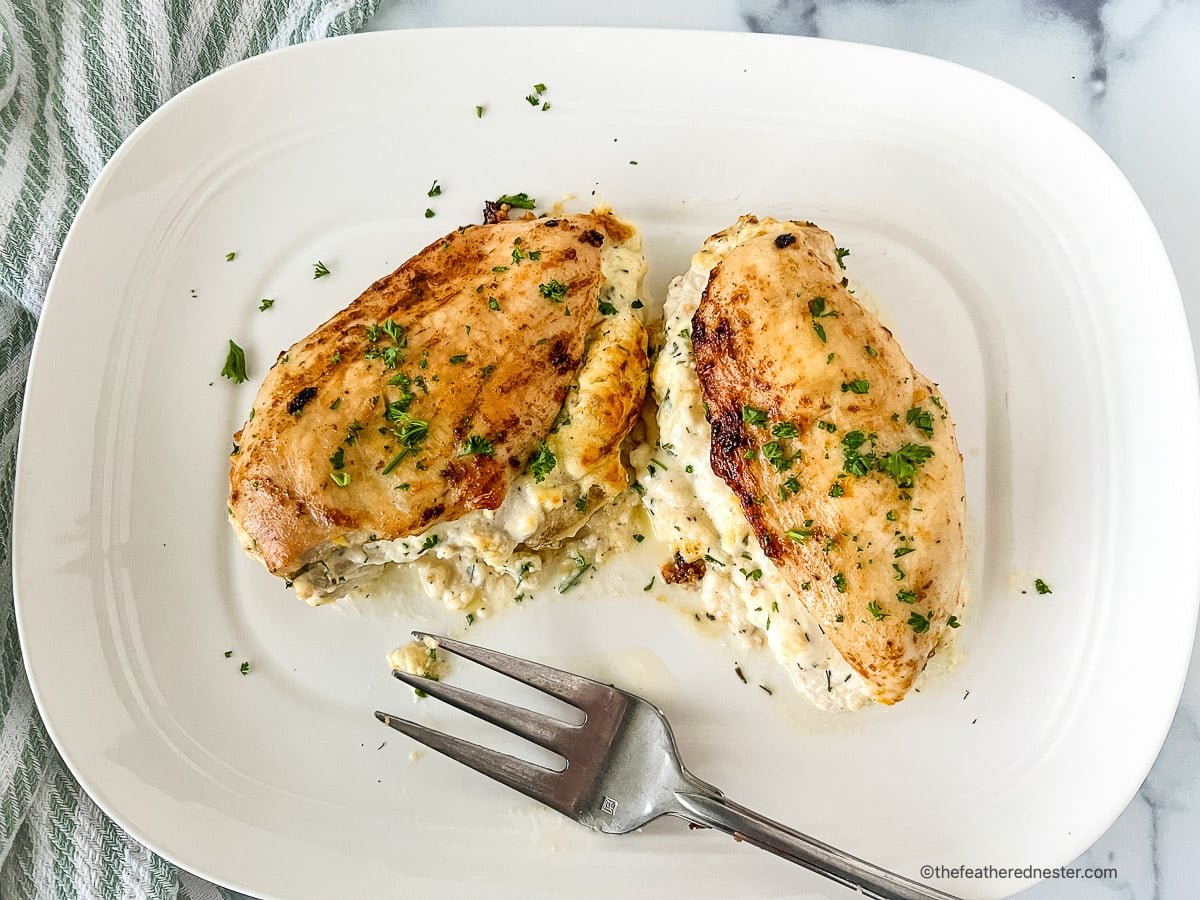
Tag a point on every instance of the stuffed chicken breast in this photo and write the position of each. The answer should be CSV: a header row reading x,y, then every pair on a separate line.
x,y
466,412
816,490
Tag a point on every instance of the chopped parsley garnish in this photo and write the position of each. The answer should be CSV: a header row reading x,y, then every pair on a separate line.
x,y
581,566
531,99
429,543
542,462
857,386
395,332
752,574
789,487
320,270
581,504
479,111
403,382
607,308
429,213
228,653
800,535
553,290
477,445
953,622
499,269
341,479
902,464
906,596
755,417
836,490
827,426
772,452
870,351
517,201
637,304
839,582
539,88
397,410
650,583
918,622
874,610
493,304
230,256
352,431
374,332
390,356
458,359
785,430
244,668
853,462
235,364
435,190
265,304
1041,586
891,515
338,460
842,253
899,572
816,307
920,419
411,433
902,551
639,537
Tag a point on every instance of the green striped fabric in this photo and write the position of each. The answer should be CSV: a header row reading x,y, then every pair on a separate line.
x,y
76,76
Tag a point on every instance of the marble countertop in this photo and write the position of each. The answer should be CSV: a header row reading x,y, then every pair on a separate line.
x,y
1128,72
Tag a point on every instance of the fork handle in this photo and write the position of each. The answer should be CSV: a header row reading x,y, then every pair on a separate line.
x,y
747,825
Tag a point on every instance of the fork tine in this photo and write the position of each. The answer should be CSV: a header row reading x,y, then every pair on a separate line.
x,y
545,730
570,688
531,780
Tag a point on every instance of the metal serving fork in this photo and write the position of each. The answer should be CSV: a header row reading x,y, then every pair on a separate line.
x,y
623,768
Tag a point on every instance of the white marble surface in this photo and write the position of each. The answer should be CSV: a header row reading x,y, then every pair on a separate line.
x,y
1128,72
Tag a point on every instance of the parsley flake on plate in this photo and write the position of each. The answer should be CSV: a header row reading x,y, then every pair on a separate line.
x,y
235,364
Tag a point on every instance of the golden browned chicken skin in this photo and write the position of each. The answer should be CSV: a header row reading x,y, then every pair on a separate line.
x,y
841,454
424,398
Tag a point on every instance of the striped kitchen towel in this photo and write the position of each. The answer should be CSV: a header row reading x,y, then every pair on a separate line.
x,y
76,76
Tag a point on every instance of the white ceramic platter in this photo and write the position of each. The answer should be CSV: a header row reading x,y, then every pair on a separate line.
x,y
1010,256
